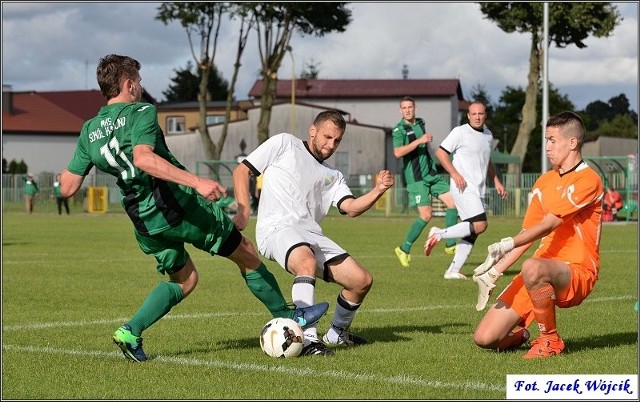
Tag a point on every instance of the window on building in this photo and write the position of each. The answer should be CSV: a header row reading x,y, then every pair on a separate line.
x,y
175,125
215,119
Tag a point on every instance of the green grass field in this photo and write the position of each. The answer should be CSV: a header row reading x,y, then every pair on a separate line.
x,y
69,281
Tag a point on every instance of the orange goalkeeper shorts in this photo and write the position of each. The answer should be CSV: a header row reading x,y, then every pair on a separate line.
x,y
515,295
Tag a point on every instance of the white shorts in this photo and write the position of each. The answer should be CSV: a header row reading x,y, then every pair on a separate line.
x,y
278,244
468,203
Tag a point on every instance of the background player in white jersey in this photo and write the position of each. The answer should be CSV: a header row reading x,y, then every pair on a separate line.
x,y
298,188
471,146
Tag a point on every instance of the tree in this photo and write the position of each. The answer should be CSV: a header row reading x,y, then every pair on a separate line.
x,y
311,70
621,126
479,94
275,24
507,120
186,85
247,21
569,23
202,19
598,113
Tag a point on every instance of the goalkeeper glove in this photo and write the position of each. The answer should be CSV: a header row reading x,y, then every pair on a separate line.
x,y
495,252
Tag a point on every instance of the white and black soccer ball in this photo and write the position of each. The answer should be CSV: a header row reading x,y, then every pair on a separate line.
x,y
282,337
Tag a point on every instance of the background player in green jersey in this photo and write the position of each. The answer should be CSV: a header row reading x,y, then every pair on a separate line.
x,y
31,190
168,205
410,142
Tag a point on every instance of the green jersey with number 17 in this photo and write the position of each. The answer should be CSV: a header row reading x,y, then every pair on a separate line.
x,y
107,141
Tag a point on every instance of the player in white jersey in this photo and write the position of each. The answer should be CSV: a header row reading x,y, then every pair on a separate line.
x,y
298,189
471,146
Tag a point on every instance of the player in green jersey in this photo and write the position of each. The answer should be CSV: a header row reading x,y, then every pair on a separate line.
x,y
410,142
168,205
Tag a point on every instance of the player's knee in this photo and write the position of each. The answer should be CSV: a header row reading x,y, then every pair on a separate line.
x,y
480,227
531,272
363,283
483,340
186,278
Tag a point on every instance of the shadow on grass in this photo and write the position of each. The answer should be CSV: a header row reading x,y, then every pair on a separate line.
x,y
399,333
602,341
580,344
402,334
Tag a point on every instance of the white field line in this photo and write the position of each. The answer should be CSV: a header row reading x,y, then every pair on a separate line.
x,y
61,324
401,379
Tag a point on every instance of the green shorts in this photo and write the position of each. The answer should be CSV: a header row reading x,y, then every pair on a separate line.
x,y
420,193
207,227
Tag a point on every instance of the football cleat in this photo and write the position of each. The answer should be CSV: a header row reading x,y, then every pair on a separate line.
x,y
317,348
517,338
432,240
346,338
545,346
454,275
450,250
404,258
130,344
307,316
486,282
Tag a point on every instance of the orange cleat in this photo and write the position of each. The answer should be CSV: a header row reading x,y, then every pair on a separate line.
x,y
545,346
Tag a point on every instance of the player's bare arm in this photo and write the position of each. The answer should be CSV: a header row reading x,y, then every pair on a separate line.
x,y
493,173
445,161
145,159
357,206
69,183
241,193
403,150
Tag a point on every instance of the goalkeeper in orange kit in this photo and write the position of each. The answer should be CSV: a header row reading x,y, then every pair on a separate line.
x,y
565,215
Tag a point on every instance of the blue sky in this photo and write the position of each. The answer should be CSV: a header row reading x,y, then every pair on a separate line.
x,y
56,46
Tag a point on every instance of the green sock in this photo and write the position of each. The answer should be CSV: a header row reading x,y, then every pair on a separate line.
x,y
265,288
450,219
416,229
156,305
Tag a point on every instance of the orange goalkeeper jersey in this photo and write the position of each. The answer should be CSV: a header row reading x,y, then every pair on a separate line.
x,y
576,198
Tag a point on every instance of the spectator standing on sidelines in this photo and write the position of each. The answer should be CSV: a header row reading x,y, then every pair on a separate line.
x,y
31,190
168,205
471,145
57,194
565,215
411,143
612,204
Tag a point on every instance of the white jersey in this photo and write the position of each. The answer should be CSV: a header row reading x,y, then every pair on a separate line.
x,y
471,151
297,189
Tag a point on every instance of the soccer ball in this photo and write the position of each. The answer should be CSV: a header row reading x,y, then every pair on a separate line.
x,y
282,337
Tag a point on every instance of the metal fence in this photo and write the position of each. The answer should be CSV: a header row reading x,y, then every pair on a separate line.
x,y
518,187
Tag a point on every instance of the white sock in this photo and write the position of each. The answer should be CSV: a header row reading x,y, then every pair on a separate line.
x,y
457,231
303,295
463,249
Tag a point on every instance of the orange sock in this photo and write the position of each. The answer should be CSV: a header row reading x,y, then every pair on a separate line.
x,y
544,309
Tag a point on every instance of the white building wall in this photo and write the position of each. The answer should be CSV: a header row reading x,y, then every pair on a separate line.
x,y
41,153
440,114
365,145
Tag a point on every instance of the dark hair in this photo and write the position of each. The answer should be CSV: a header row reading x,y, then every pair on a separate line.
x,y
334,116
408,99
113,70
571,125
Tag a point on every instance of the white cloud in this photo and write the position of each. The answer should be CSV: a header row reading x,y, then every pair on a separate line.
x,y
56,46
